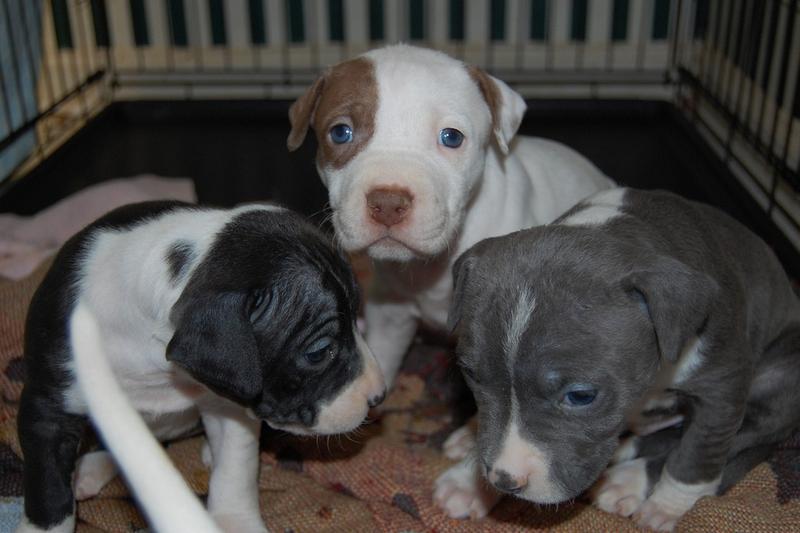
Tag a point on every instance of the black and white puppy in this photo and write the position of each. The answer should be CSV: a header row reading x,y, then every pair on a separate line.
x,y
631,302
227,316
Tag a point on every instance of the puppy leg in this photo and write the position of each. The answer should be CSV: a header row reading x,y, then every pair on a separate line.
x,y
623,487
233,487
634,470
462,441
390,330
93,472
461,492
694,468
49,439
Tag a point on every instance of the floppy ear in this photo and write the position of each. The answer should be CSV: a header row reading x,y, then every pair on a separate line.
x,y
301,113
506,105
461,276
214,342
678,298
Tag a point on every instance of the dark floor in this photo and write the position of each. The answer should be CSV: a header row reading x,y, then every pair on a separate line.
x,y
236,152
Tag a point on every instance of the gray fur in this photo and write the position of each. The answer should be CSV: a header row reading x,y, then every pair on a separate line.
x,y
698,272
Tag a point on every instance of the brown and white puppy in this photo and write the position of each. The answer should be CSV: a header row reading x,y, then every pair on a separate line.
x,y
418,153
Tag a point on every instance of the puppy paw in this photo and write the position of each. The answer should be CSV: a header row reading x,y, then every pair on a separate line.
x,y
670,500
460,442
627,450
652,515
461,493
622,489
240,522
93,471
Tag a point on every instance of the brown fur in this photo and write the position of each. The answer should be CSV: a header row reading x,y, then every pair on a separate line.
x,y
347,93
490,93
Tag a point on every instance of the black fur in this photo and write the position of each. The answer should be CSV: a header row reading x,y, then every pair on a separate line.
x,y
179,257
216,323
49,436
269,288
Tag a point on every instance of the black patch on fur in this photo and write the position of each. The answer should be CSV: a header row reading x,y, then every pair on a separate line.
x,y
179,257
49,437
268,289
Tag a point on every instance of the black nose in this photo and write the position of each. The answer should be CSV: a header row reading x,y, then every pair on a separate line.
x,y
376,400
506,483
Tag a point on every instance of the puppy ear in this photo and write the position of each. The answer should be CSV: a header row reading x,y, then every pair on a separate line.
x,y
506,105
678,299
301,113
214,342
462,270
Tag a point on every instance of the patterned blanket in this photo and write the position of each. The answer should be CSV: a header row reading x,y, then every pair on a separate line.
x,y
380,477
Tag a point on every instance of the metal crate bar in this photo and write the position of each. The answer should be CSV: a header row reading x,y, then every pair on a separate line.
x,y
730,65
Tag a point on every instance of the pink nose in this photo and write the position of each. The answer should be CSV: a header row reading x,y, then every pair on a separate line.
x,y
389,206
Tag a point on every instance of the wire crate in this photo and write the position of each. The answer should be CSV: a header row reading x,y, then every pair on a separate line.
x,y
730,67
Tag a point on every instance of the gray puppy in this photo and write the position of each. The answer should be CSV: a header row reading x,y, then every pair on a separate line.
x,y
631,303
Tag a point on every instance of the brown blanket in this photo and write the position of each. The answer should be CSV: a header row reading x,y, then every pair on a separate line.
x,y
380,478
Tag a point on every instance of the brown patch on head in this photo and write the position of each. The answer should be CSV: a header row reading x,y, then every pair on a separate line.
x,y
345,94
491,93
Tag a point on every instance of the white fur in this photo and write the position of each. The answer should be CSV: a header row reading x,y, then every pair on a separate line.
x,y
92,472
461,442
627,450
66,526
125,280
527,464
517,324
126,294
462,493
690,360
670,500
460,196
158,486
598,210
622,489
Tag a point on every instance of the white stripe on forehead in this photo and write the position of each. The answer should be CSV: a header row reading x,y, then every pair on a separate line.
x,y
517,322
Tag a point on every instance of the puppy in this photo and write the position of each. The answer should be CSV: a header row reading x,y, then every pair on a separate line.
x,y
420,160
632,301
224,316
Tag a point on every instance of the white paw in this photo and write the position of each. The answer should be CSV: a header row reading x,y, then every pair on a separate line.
x,y
622,489
206,456
670,500
240,522
652,515
627,450
93,471
460,442
462,493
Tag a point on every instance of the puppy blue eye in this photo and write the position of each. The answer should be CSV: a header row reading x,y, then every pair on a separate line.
x,y
319,351
580,397
451,137
341,134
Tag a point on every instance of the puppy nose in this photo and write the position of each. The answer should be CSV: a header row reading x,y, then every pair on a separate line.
x,y
505,482
389,206
376,400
